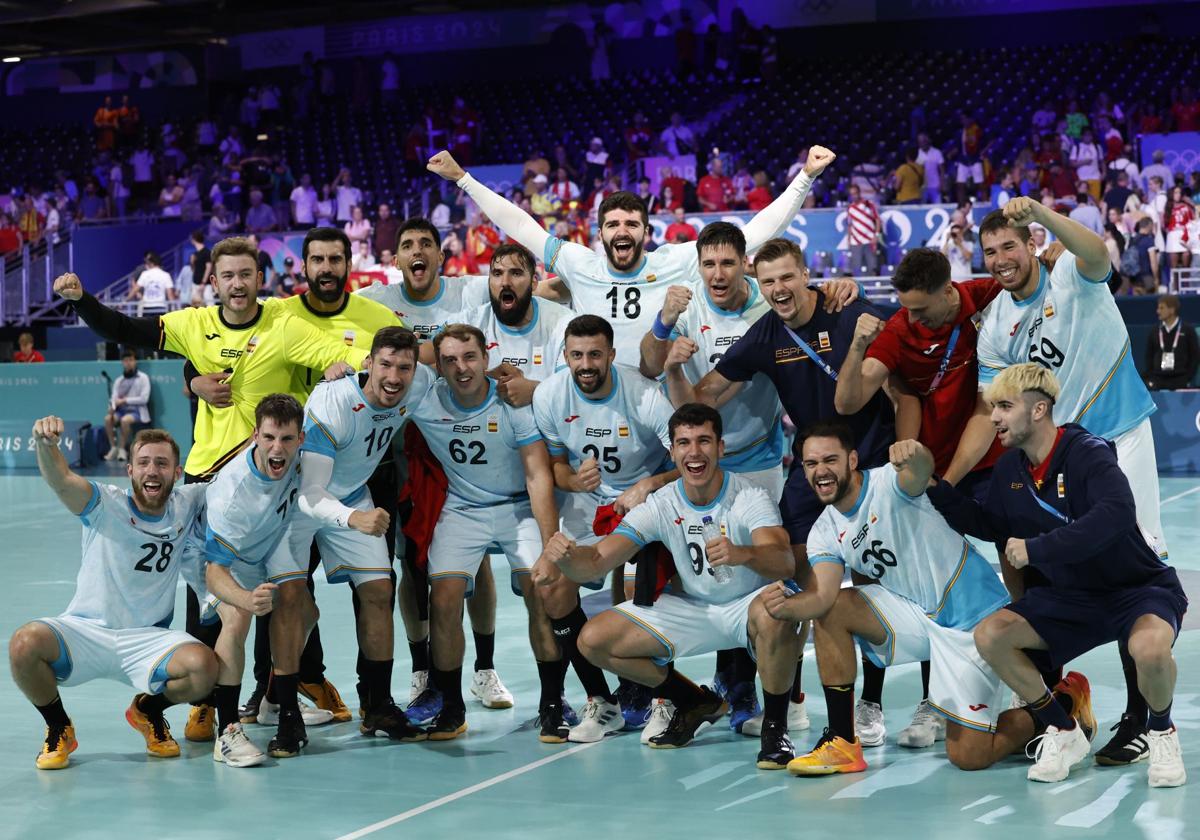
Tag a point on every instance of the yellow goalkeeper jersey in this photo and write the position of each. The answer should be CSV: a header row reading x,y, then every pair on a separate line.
x,y
355,325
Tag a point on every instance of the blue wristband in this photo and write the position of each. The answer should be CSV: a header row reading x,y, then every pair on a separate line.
x,y
661,331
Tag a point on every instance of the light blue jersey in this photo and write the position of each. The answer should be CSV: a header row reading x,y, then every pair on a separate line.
x,y
669,517
247,511
629,300
536,349
340,422
479,448
902,543
626,432
1070,325
426,317
131,561
753,421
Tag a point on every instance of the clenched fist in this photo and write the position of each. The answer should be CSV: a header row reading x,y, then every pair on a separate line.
x,y
681,350
1016,553
678,298
818,158
444,164
262,599
558,547
1022,211
68,286
866,330
48,431
587,477
373,523
902,453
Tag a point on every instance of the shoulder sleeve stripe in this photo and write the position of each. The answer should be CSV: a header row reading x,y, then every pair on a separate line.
x,y
528,440
814,559
629,533
319,426
93,501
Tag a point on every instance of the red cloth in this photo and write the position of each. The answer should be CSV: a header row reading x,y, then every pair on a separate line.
x,y
426,488
676,228
905,348
716,191
1038,473
758,199
606,521
31,356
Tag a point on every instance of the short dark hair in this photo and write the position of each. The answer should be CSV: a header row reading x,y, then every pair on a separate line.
x,y
418,223
152,258
996,221
512,249
777,249
282,408
695,414
922,269
395,338
1170,301
233,246
838,429
325,234
459,332
716,234
198,235
129,352
585,326
623,200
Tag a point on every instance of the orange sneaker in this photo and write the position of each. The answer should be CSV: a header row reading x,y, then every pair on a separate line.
x,y
201,723
156,731
832,754
1076,686
325,696
57,748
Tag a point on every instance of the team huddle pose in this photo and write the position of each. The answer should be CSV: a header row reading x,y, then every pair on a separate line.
x,y
626,417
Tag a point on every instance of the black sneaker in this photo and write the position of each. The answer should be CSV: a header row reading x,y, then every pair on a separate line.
x,y
291,736
777,749
1128,746
248,712
685,722
553,725
448,725
392,722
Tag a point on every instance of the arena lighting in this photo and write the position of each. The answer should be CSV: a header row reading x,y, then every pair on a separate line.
x,y
262,137
12,59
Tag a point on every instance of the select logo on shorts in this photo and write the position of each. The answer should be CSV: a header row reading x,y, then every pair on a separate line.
x,y
348,337
493,423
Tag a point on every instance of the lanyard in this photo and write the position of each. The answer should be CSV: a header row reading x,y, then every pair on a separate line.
x,y
1175,343
937,380
812,354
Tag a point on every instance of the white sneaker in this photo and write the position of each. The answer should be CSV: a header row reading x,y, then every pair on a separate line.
x,y
235,749
661,712
268,714
1057,752
490,691
1166,759
598,718
420,682
122,455
111,454
926,728
868,723
797,721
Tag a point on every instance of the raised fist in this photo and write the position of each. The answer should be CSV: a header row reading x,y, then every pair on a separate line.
x,y
444,164
818,158
68,286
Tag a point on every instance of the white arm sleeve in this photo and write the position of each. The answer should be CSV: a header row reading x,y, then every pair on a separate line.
x,y
315,500
510,218
773,219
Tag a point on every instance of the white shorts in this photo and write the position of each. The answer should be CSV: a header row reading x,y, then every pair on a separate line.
x,y
770,479
1174,243
277,568
687,626
576,515
1135,456
962,687
964,172
464,533
136,656
346,554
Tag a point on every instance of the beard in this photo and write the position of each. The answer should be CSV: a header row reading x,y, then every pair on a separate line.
x,y
168,484
516,314
327,295
601,378
617,262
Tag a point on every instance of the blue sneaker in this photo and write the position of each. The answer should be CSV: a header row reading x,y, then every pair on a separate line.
x,y
743,705
635,703
719,686
570,717
426,707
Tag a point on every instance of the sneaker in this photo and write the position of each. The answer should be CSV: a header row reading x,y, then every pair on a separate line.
x,y
927,727
57,748
268,714
832,754
634,699
1166,759
392,722
1128,746
448,725
661,712
155,730
111,454
201,723
868,724
426,706
418,686
1076,686
235,749
290,737
743,705
248,712
599,717
491,692
569,716
122,455
1058,751
719,686
685,723
325,696
797,721
777,750
552,724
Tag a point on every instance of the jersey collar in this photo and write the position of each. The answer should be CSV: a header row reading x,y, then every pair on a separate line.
x,y
616,384
431,301
633,272
1037,293
862,495
338,311
525,330
363,394
145,517
751,299
491,395
716,499
251,323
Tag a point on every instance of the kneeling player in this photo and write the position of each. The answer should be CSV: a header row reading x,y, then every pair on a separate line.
x,y
725,537
117,625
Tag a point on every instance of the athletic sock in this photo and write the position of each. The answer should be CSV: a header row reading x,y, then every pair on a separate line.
x,y
419,651
485,648
54,713
1135,704
724,662
925,680
550,676
1160,721
153,705
450,684
775,707
286,686
872,691
742,667
226,697
270,692
839,703
797,694
678,689
566,631
377,681
1051,712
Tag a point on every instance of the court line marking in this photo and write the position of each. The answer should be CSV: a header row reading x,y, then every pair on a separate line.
x,y
1179,496
467,791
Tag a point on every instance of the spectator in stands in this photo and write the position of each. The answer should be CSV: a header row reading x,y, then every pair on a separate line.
x,y
105,121
142,192
797,164
908,179
283,184
287,280
1144,275
170,198
269,97
386,231
10,235
562,160
266,266
358,228
248,110
1177,216
26,352
200,260
129,405
456,263
968,177
1115,243
677,139
743,182
190,207
868,176
389,80
118,191
326,207
1037,235
596,161
1185,111
1086,159
260,216
221,222
959,251
1118,194
206,136
680,230
1044,117
930,157
1157,169
348,196
1030,184
154,289
1087,214
439,217
715,189
363,259
53,221
862,233
29,220
304,203
1172,351
653,203
1076,120
563,190
760,196
231,147
92,205
638,139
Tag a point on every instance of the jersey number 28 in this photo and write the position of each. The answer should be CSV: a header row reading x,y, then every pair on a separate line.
x,y
157,557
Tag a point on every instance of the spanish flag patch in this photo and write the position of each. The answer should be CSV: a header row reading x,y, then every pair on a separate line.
x,y
348,337
493,423
622,430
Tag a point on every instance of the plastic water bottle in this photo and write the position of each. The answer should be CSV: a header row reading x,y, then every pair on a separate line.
x,y
712,531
